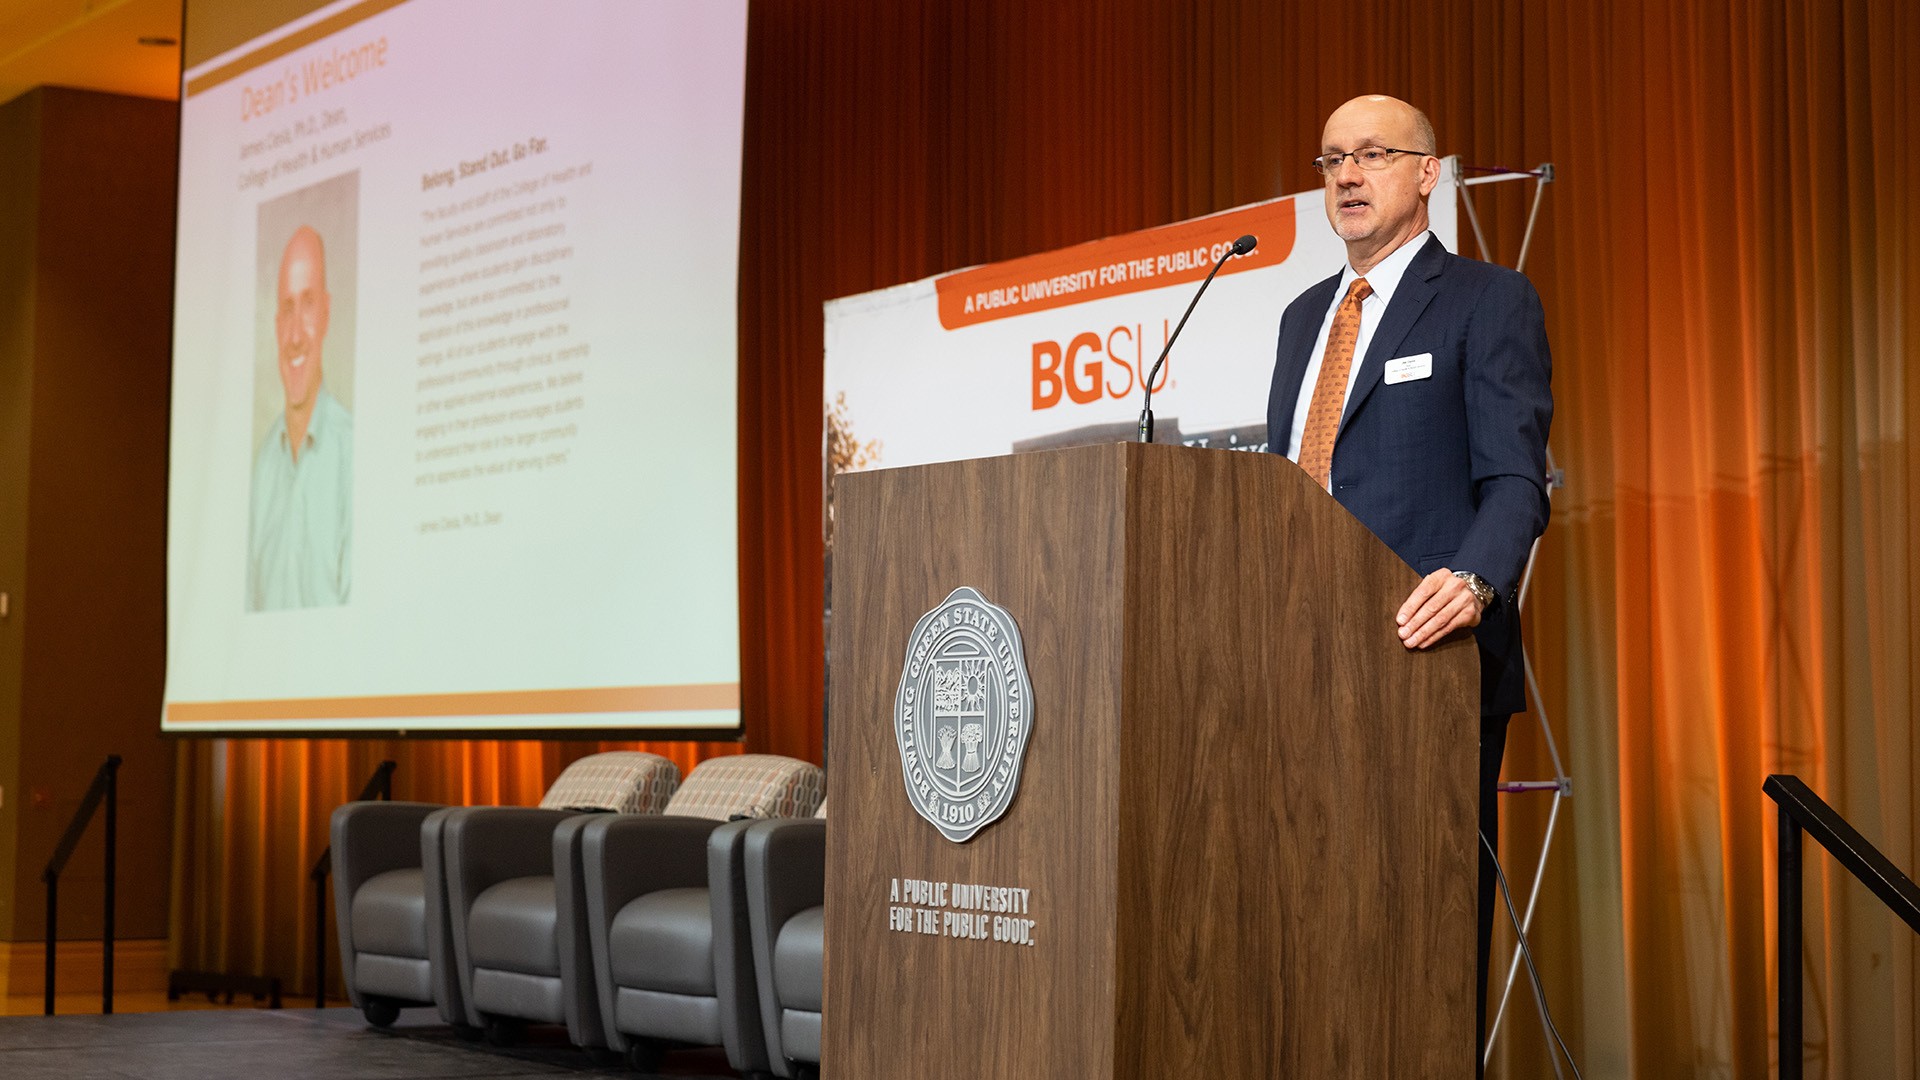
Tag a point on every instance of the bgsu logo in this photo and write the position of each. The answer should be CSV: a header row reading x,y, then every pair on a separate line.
x,y
1090,367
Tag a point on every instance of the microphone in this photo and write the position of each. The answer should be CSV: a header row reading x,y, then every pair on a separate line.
x,y
1240,247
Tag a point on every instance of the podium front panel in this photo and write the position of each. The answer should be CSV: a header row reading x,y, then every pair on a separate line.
x,y
1242,840
1041,536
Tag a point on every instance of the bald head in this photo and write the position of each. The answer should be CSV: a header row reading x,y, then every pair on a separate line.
x,y
305,246
1396,123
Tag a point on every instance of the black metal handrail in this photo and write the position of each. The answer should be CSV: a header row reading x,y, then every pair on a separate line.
x,y
105,788
378,786
1802,810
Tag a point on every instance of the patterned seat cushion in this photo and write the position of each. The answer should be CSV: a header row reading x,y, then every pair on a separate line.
x,y
750,785
623,781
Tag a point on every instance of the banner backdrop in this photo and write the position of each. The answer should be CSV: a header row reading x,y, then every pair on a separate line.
x,y
1049,350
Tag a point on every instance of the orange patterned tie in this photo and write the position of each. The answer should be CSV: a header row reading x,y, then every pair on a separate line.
x,y
1330,390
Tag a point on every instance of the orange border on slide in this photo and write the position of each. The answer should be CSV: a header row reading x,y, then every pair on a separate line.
x,y
301,38
604,699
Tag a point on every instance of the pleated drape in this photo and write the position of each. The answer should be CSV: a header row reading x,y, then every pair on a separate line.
x,y
1728,261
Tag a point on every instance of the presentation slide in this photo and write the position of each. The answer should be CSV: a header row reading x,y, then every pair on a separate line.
x,y
453,429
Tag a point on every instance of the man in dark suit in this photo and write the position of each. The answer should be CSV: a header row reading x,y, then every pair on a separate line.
x,y
1413,385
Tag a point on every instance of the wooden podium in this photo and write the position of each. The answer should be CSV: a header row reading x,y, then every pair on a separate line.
x,y
1244,821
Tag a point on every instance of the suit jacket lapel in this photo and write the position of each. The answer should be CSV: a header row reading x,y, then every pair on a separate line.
x,y
1296,348
1410,298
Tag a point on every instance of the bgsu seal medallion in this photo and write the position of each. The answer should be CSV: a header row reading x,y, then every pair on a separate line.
x,y
963,714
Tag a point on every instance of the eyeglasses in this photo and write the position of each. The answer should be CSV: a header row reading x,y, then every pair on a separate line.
x,y
1370,158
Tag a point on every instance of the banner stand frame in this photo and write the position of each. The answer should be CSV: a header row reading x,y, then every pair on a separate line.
x,y
1561,785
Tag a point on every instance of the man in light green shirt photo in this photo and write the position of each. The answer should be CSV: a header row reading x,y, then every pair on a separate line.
x,y
299,551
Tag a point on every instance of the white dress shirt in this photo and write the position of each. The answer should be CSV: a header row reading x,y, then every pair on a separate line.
x,y
1384,278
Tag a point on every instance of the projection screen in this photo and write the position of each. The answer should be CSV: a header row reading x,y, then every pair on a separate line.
x,y
453,414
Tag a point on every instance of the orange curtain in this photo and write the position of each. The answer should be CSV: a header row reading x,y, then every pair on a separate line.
x,y
1728,259
1729,589
251,819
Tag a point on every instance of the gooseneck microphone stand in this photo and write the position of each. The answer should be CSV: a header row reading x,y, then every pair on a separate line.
x,y
1240,247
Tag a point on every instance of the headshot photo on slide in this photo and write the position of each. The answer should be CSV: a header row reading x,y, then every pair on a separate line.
x,y
300,519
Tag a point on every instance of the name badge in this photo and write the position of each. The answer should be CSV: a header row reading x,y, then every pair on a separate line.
x,y
1409,368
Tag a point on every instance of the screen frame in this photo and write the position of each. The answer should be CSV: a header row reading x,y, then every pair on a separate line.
x,y
734,733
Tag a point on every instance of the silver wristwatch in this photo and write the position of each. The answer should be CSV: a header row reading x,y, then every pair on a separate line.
x,y
1477,585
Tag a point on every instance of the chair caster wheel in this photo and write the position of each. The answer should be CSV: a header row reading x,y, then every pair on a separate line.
x,y
468,1033
645,1054
504,1031
381,1014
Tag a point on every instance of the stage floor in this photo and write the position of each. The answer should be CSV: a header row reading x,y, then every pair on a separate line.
x,y
313,1044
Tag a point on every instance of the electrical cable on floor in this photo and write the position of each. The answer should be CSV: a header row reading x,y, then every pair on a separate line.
x,y
1539,992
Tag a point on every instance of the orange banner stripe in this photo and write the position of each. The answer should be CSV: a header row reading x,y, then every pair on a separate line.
x,y
1150,259
268,53
606,699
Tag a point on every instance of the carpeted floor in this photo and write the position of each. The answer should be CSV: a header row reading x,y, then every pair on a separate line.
x,y
308,1044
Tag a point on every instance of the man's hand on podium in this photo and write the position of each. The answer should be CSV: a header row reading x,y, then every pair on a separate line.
x,y
1440,604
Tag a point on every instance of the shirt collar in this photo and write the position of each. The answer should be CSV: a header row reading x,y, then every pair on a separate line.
x,y
1385,276
317,424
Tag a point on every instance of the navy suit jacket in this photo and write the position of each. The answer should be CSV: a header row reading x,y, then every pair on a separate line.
x,y
1449,470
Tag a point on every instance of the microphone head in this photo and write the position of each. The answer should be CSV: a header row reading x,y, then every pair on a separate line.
x,y
1245,244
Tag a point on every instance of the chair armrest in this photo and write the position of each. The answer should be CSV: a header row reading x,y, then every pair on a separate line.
x,y
734,985
785,874
623,857
440,959
582,1001
369,838
484,846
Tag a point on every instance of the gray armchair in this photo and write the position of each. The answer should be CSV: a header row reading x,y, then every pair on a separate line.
x,y
397,946
785,878
666,911
513,920
389,899
513,904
